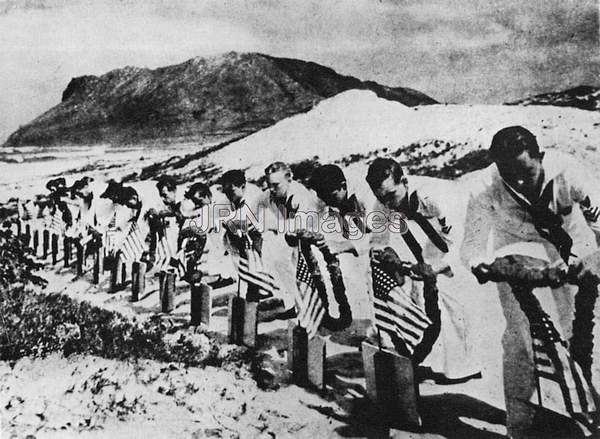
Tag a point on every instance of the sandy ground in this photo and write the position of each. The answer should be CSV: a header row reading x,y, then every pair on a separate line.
x,y
92,397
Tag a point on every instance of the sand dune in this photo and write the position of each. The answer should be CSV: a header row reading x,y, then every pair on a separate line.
x,y
358,121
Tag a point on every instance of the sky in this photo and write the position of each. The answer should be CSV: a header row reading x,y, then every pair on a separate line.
x,y
457,51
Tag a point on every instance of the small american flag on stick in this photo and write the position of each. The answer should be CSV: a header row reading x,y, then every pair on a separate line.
x,y
164,250
56,224
309,306
168,257
134,245
395,311
111,235
26,210
251,269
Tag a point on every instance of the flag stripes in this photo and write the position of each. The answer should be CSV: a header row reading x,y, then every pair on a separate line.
x,y
553,362
27,217
55,223
309,307
543,363
251,269
248,271
164,252
168,257
562,370
110,240
111,235
26,210
86,238
134,245
395,311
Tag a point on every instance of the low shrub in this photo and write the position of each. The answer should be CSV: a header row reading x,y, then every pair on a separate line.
x,y
36,324
17,264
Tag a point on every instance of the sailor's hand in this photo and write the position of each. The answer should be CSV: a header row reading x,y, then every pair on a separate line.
x,y
480,260
337,248
480,267
150,213
421,271
164,213
315,238
562,266
444,269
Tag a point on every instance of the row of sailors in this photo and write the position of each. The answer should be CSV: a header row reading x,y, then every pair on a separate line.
x,y
527,202
354,219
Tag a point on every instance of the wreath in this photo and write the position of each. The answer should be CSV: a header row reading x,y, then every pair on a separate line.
x,y
581,343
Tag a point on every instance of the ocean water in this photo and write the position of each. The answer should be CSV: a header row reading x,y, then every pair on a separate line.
x,y
25,170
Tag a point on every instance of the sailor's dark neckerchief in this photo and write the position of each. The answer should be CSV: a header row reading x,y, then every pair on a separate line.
x,y
287,209
239,204
351,208
175,208
546,222
410,208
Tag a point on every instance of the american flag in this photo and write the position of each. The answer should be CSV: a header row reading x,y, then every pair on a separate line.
x,y
251,269
134,245
55,223
26,215
553,362
111,234
395,310
168,257
85,230
309,306
164,251
26,210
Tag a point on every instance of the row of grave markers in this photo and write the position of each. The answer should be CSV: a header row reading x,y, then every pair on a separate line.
x,y
51,247
389,377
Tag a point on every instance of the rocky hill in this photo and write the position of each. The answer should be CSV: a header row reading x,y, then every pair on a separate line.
x,y
584,97
198,99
